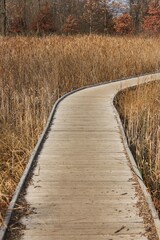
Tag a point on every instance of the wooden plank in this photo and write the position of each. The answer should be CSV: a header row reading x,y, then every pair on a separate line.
x,y
32,200
86,229
88,185
87,237
77,191
38,221
99,168
79,177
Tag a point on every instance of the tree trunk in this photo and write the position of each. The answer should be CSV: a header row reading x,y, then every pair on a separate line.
x,y
4,17
138,9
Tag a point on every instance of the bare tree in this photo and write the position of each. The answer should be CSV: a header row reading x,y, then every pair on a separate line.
x,y
138,9
3,17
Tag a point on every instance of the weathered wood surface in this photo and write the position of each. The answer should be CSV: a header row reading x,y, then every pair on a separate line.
x,y
83,186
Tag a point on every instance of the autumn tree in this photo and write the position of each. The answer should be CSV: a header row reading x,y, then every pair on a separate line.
x,y
44,21
62,9
19,16
107,26
91,10
152,20
138,9
97,17
124,24
71,25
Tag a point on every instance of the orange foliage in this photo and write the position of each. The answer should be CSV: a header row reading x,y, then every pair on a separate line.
x,y
44,20
123,24
152,21
71,25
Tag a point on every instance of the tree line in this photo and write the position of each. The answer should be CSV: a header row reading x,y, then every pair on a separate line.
x,y
43,17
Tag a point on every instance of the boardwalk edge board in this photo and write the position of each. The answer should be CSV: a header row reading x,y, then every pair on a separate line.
x,y
38,147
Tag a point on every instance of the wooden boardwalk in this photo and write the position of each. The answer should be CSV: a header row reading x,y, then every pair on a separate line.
x,y
83,187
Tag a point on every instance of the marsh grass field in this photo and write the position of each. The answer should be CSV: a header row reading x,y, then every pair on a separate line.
x,y
34,72
139,109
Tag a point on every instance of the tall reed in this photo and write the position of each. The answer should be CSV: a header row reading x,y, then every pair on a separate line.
x,y
140,113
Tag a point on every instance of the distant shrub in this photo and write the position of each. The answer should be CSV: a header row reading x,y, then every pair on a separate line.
x,y
44,22
152,20
123,24
71,25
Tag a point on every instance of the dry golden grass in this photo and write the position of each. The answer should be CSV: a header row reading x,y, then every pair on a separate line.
x,y
34,72
140,114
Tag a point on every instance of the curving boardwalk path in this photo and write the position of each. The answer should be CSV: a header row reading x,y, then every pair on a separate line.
x,y
83,187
